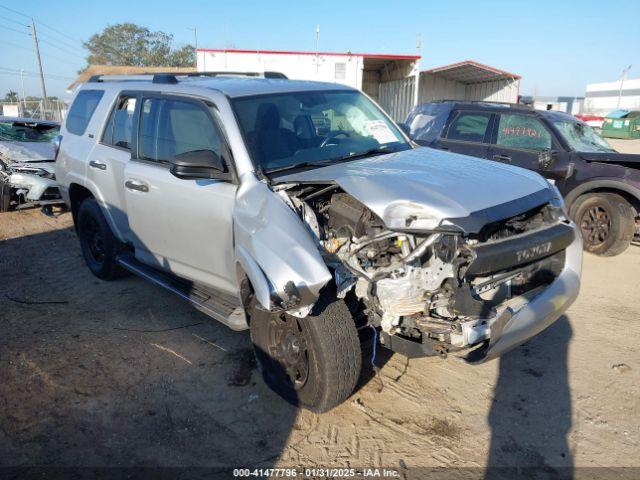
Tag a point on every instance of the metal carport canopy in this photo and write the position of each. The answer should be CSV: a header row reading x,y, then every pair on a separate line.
x,y
470,72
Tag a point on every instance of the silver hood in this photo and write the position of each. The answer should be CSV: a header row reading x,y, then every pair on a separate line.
x,y
423,188
26,152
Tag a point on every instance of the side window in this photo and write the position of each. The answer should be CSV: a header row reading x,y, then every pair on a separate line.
x,y
522,131
469,126
81,111
169,127
119,129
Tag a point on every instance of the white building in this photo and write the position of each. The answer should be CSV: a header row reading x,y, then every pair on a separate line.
x,y
388,79
570,105
602,98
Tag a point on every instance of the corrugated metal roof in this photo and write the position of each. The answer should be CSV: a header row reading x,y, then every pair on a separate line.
x,y
618,114
470,71
387,56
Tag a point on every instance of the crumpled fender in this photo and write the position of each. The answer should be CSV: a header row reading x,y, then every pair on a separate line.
x,y
270,236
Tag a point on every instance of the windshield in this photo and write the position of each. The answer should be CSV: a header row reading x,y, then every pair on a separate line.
x,y
582,138
27,132
300,129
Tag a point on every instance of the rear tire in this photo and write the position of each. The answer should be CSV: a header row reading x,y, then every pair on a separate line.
x,y
312,362
607,223
100,248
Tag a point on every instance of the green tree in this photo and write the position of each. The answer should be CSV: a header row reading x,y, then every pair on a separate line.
x,y
11,96
131,44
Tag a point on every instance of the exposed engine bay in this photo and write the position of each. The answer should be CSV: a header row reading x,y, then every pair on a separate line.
x,y
431,292
24,185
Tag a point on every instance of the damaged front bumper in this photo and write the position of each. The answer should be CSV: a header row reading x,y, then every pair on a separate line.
x,y
31,186
528,315
516,320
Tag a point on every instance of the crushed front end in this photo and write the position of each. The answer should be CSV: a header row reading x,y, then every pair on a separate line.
x,y
444,290
27,163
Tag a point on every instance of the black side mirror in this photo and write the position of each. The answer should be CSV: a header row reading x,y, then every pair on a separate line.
x,y
547,159
198,164
405,128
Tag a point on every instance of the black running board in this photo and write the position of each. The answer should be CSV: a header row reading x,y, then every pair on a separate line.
x,y
223,307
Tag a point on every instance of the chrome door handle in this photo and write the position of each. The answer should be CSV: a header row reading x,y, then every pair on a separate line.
x,y
504,158
136,185
98,165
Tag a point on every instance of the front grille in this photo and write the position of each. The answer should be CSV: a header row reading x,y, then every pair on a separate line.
x,y
519,250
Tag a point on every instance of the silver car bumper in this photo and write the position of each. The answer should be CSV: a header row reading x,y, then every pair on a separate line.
x,y
34,184
524,318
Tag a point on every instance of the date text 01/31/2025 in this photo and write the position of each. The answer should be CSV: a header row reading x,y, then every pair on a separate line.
x,y
334,473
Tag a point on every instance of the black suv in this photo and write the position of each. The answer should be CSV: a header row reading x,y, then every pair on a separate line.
x,y
601,187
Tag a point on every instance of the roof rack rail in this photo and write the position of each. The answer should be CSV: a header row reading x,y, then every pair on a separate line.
x,y
171,77
490,102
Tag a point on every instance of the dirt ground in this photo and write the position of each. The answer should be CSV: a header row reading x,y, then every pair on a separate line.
x,y
122,373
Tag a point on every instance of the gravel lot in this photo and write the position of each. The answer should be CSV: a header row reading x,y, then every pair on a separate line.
x,y
122,373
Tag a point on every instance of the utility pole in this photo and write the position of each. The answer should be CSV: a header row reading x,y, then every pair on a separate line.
x,y
24,97
416,67
195,35
42,85
622,79
317,48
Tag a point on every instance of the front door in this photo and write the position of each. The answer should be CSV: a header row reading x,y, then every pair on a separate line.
x,y
181,226
467,133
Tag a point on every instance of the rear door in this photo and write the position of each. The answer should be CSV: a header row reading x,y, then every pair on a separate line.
x,y
181,226
468,133
519,139
109,158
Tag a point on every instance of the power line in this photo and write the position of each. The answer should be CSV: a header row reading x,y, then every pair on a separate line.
x,y
13,21
31,73
4,43
61,42
15,11
68,52
22,14
14,30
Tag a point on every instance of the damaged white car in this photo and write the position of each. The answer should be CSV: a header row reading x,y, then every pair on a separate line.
x,y
27,154
299,210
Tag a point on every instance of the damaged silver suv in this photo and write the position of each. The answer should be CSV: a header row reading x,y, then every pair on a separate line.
x,y
299,210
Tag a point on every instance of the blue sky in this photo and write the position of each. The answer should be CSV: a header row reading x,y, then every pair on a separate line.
x,y
557,46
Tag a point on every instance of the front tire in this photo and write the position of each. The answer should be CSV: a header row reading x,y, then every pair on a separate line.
x,y
99,245
607,223
312,362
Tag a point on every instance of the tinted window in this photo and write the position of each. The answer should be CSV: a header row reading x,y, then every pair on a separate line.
x,y
119,129
80,112
469,126
523,131
171,127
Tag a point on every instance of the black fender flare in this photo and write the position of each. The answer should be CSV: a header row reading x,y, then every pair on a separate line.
x,y
599,183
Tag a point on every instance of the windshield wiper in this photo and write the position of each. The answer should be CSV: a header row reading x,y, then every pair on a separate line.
x,y
332,161
367,153
316,163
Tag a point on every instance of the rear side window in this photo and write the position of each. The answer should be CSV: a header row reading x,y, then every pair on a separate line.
x,y
120,127
469,126
523,131
170,127
427,121
82,109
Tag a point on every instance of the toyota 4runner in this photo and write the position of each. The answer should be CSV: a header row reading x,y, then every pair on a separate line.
x,y
299,210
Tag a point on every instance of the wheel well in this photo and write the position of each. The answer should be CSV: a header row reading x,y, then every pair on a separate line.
x,y
633,201
77,193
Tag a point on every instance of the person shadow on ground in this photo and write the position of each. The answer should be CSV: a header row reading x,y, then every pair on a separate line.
x,y
530,415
